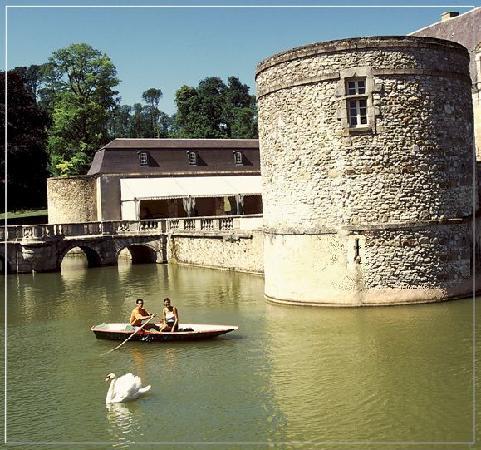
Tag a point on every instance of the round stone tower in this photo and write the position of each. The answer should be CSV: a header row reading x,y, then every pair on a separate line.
x,y
367,161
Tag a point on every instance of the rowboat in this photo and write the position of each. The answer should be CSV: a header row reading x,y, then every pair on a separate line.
x,y
187,332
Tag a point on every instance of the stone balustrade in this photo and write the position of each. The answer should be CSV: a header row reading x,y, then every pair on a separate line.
x,y
18,233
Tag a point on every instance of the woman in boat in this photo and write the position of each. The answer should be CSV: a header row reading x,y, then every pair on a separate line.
x,y
170,317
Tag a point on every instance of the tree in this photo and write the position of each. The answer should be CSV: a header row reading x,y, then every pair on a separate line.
x,y
152,97
166,124
120,121
27,138
78,90
216,110
32,77
141,121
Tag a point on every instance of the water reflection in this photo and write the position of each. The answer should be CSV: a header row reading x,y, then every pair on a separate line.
x,y
138,357
123,428
388,372
288,374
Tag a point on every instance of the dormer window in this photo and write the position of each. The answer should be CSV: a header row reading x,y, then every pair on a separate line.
x,y
238,158
192,157
143,158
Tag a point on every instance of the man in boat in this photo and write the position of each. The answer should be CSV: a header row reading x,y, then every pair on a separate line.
x,y
139,314
170,317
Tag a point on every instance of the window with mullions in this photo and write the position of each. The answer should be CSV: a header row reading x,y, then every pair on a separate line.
x,y
356,87
192,157
356,102
357,112
143,158
238,158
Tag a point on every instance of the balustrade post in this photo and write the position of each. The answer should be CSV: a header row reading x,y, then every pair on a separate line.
x,y
162,225
106,228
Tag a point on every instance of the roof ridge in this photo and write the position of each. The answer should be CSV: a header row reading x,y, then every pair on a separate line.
x,y
440,21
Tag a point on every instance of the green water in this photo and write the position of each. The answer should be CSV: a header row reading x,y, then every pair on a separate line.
x,y
292,377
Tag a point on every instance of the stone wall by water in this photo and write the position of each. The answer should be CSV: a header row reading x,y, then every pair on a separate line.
x,y
241,251
376,213
477,121
72,199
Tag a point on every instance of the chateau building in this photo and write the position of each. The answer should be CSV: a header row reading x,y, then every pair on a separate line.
x,y
363,172
466,30
132,179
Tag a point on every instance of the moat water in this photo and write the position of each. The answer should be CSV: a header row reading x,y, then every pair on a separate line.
x,y
292,377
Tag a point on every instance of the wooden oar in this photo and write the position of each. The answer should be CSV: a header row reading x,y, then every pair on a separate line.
x,y
130,337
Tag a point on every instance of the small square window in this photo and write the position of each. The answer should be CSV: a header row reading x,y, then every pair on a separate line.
x,y
356,87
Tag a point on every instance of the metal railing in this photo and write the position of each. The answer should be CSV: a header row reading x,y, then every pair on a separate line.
x,y
128,227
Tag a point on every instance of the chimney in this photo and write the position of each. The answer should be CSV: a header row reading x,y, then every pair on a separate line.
x,y
448,15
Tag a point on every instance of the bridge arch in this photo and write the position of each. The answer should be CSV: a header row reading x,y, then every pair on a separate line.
x,y
93,258
140,253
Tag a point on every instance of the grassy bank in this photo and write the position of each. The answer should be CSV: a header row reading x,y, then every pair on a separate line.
x,y
27,216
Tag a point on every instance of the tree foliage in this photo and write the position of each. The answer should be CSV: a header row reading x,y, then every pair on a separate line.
x,y
61,112
78,90
141,121
27,138
216,110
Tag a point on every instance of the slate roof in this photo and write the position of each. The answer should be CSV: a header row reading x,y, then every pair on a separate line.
x,y
169,157
464,29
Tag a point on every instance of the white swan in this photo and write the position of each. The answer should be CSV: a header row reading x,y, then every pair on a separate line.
x,y
125,388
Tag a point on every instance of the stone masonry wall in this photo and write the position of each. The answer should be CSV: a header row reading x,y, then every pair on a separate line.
x,y
477,121
409,168
71,199
236,251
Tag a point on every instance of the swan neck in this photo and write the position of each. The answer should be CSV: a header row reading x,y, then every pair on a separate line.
x,y
110,393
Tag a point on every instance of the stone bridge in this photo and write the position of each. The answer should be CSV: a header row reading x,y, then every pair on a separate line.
x,y
41,248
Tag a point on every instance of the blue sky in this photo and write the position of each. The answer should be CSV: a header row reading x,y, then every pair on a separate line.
x,y
168,47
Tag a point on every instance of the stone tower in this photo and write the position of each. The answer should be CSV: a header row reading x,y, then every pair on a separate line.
x,y
366,157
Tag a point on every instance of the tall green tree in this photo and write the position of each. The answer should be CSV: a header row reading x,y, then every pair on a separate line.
x,y
32,77
216,110
141,121
120,121
152,97
79,91
27,139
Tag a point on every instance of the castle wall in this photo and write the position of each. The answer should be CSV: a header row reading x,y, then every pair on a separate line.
x,y
363,215
477,120
239,251
71,199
